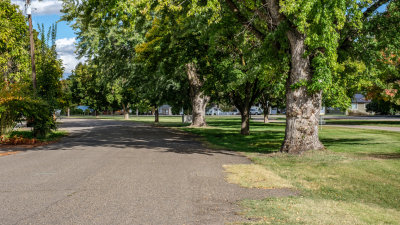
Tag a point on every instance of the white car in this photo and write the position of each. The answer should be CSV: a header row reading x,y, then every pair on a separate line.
x,y
255,111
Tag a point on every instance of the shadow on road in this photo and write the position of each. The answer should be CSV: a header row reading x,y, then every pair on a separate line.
x,y
85,134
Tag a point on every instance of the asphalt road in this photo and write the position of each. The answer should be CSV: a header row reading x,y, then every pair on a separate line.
x,y
116,172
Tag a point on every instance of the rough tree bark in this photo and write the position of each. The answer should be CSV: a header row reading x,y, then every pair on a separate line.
x,y
198,98
126,111
265,106
156,115
266,114
251,91
245,128
302,107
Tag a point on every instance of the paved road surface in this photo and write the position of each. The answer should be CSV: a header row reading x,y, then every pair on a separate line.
x,y
116,172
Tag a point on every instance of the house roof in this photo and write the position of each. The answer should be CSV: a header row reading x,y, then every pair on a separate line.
x,y
359,98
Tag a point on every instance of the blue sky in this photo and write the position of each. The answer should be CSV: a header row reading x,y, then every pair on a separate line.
x,y
63,31
47,12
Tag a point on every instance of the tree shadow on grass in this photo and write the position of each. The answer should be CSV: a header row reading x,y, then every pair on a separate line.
x,y
231,139
329,142
363,122
384,155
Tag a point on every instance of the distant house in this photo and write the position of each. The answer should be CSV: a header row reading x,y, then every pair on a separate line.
x,y
214,111
358,105
165,110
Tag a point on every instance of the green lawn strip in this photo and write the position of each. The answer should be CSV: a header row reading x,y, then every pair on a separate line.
x,y
358,176
224,132
361,141
52,136
364,122
303,210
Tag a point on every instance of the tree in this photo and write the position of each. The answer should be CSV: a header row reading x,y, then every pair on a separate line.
x,y
49,68
174,47
242,70
88,89
378,45
14,42
313,30
17,101
272,97
129,21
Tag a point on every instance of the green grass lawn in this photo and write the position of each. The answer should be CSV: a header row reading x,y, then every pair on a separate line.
x,y
355,181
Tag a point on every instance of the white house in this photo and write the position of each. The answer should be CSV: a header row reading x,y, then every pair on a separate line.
x,y
165,110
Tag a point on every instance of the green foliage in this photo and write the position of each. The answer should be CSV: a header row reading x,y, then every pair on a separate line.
x,y
16,104
321,23
14,56
138,49
49,69
383,107
374,51
17,100
87,88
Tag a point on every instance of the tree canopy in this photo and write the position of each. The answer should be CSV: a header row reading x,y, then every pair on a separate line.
x,y
322,52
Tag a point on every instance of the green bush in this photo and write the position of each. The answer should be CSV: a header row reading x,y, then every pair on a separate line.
x,y
382,107
15,105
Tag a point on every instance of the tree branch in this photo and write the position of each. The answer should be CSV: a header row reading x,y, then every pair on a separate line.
x,y
374,7
352,32
244,21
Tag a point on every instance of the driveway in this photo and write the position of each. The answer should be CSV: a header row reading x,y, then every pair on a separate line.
x,y
119,172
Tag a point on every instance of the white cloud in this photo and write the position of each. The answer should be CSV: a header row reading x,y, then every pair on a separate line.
x,y
66,52
45,7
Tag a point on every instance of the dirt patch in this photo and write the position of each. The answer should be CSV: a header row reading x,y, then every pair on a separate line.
x,y
25,146
8,153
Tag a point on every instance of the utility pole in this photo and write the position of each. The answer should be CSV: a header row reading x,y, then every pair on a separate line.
x,y
32,43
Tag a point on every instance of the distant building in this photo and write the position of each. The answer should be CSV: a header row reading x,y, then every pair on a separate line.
x,y
214,111
165,110
358,105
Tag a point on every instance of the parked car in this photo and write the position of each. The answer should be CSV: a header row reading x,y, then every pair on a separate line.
x,y
255,111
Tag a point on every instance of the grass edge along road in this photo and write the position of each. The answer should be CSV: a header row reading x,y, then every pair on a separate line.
x,y
23,139
355,181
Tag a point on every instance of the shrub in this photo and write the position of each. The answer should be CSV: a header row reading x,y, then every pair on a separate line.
x,y
383,107
15,105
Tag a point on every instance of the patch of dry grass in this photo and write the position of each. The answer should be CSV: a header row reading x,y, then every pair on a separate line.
x,y
254,176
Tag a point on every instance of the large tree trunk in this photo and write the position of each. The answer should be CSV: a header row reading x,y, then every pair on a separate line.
x,y
126,111
198,98
156,115
302,107
245,114
266,114
68,112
